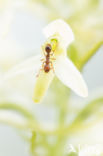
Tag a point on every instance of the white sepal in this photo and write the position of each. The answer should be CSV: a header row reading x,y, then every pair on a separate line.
x,y
61,28
70,76
30,65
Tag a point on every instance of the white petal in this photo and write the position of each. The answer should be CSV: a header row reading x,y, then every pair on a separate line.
x,y
30,65
61,28
70,76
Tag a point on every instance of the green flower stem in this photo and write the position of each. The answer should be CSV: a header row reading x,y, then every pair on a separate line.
x,y
30,124
89,109
60,132
28,117
88,55
16,108
32,143
76,125
78,121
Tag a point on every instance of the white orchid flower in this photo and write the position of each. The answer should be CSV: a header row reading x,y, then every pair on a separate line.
x,y
54,63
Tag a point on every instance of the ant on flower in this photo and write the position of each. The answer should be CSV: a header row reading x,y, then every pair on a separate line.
x,y
47,62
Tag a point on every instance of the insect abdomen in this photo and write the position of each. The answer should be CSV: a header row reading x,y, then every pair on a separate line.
x,y
47,64
47,68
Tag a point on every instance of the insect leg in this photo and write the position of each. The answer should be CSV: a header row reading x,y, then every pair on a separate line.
x,y
42,59
41,69
52,67
39,72
52,53
53,58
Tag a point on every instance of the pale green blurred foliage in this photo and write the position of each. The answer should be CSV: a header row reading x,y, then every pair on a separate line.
x,y
86,20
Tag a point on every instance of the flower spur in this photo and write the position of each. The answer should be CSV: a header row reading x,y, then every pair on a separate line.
x,y
54,62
